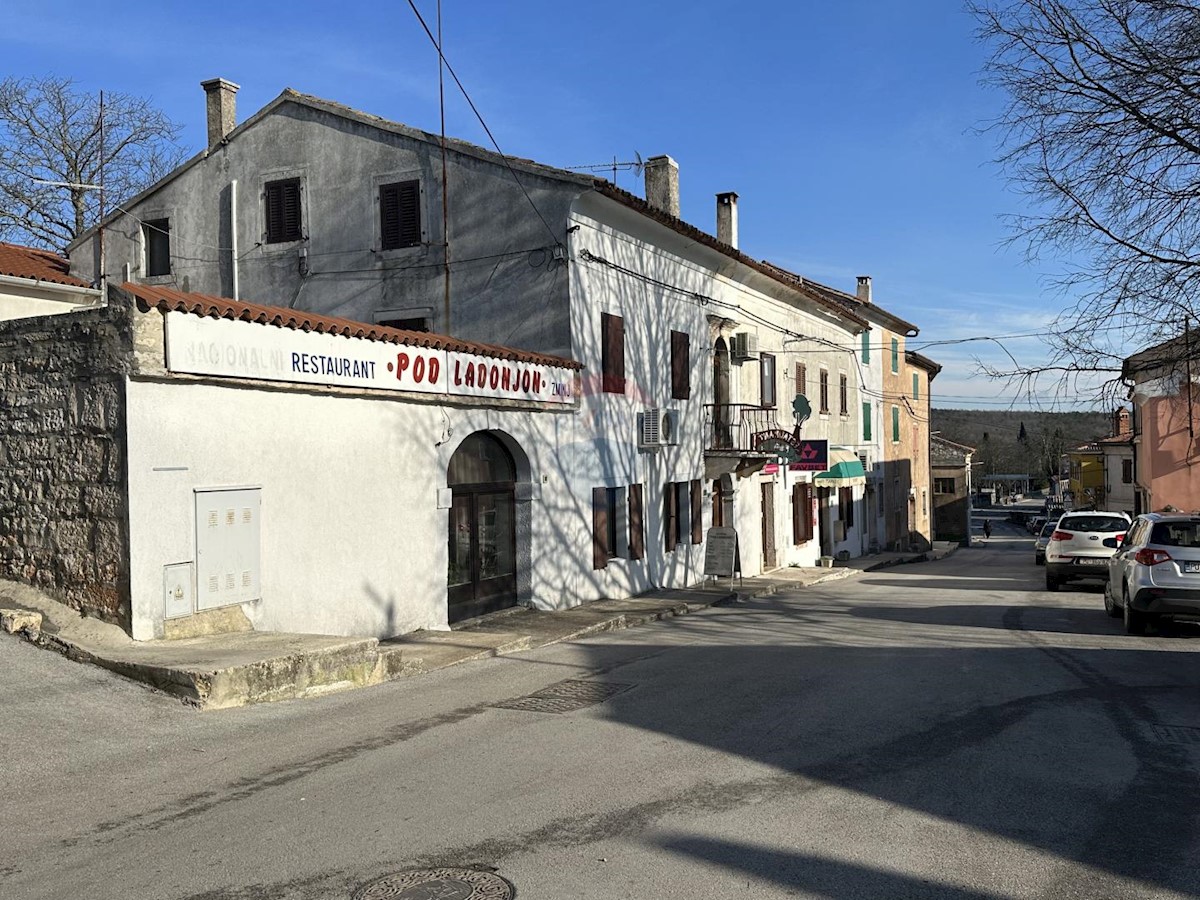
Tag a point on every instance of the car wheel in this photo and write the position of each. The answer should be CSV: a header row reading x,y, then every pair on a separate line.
x,y
1135,622
1051,582
1110,605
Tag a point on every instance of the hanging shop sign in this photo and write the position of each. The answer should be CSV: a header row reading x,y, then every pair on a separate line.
x,y
782,443
813,456
199,345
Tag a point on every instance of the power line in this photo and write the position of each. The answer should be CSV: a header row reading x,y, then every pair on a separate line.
x,y
471,103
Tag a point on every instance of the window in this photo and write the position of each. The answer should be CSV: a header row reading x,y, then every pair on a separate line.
x,y
157,237
617,524
916,386
612,353
767,375
943,485
866,420
681,366
1127,471
400,215
824,392
843,395
283,211
801,379
846,506
895,424
866,347
802,523
895,355
417,323
682,514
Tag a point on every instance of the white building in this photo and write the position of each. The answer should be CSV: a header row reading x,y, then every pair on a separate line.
x,y
691,355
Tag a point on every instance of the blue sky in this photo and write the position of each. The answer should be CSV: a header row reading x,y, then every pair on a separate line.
x,y
847,129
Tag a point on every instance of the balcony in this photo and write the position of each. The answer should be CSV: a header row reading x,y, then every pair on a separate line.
x,y
729,430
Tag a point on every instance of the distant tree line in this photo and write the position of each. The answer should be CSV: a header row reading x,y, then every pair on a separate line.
x,y
1020,442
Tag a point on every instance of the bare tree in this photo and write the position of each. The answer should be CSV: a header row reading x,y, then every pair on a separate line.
x,y
1102,132
50,131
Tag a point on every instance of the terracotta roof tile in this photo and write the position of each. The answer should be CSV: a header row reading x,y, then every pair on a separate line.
x,y
38,265
167,299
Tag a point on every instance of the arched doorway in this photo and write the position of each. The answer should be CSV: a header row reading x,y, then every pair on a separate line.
x,y
482,572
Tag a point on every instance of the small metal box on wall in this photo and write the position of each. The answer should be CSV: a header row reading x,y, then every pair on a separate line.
x,y
228,546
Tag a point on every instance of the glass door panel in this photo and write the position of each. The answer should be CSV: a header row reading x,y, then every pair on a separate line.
x,y
460,540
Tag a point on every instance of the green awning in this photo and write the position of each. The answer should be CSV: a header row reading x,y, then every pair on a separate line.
x,y
842,464
844,470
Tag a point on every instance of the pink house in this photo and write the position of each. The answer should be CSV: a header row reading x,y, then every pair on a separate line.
x,y
1166,424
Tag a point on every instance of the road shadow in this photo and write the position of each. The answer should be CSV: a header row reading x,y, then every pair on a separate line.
x,y
1047,618
1061,758
820,875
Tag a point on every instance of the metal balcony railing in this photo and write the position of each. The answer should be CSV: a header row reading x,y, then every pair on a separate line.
x,y
732,426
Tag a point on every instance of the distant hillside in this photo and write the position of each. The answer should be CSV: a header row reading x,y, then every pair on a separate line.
x,y
1000,446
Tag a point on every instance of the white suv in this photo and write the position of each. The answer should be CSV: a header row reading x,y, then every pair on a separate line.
x,y
1081,546
1156,572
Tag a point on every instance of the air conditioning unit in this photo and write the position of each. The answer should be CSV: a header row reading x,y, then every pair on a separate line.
x,y
650,435
745,346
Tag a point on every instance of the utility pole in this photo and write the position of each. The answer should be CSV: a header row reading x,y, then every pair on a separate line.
x,y
445,188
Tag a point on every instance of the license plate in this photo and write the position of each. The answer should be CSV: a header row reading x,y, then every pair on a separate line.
x,y
1095,562
1191,567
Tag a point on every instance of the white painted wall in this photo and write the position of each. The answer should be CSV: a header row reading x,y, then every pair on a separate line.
x,y
658,281
352,540
42,299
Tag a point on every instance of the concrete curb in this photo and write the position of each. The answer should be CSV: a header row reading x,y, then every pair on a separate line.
x,y
264,668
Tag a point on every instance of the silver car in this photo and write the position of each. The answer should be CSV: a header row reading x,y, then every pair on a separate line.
x,y
1156,572
1039,546
1081,545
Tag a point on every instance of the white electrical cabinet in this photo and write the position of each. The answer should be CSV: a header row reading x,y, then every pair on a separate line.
x,y
228,546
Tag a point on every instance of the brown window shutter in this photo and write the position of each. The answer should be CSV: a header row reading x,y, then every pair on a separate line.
x,y
681,366
283,211
599,528
637,535
670,517
612,353
802,524
697,514
400,214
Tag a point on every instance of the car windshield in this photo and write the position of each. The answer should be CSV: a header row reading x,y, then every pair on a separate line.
x,y
1103,524
1176,534
1048,529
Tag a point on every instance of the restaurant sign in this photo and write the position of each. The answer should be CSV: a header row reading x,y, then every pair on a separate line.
x,y
199,345
782,443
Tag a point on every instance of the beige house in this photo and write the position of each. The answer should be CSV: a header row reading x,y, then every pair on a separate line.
x,y
38,283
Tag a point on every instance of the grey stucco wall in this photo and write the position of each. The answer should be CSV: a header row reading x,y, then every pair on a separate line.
x,y
63,502
506,288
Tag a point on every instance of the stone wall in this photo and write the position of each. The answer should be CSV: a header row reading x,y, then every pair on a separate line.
x,y
63,495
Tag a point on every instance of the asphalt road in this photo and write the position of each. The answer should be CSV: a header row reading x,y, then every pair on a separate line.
x,y
946,729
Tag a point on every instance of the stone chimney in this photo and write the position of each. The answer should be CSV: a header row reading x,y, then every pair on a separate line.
x,y
1122,424
863,291
222,116
662,184
727,223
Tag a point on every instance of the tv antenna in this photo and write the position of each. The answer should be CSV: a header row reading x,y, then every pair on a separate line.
x,y
635,165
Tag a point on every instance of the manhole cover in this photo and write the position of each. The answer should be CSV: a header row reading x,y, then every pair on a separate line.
x,y
439,884
566,696
1176,734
